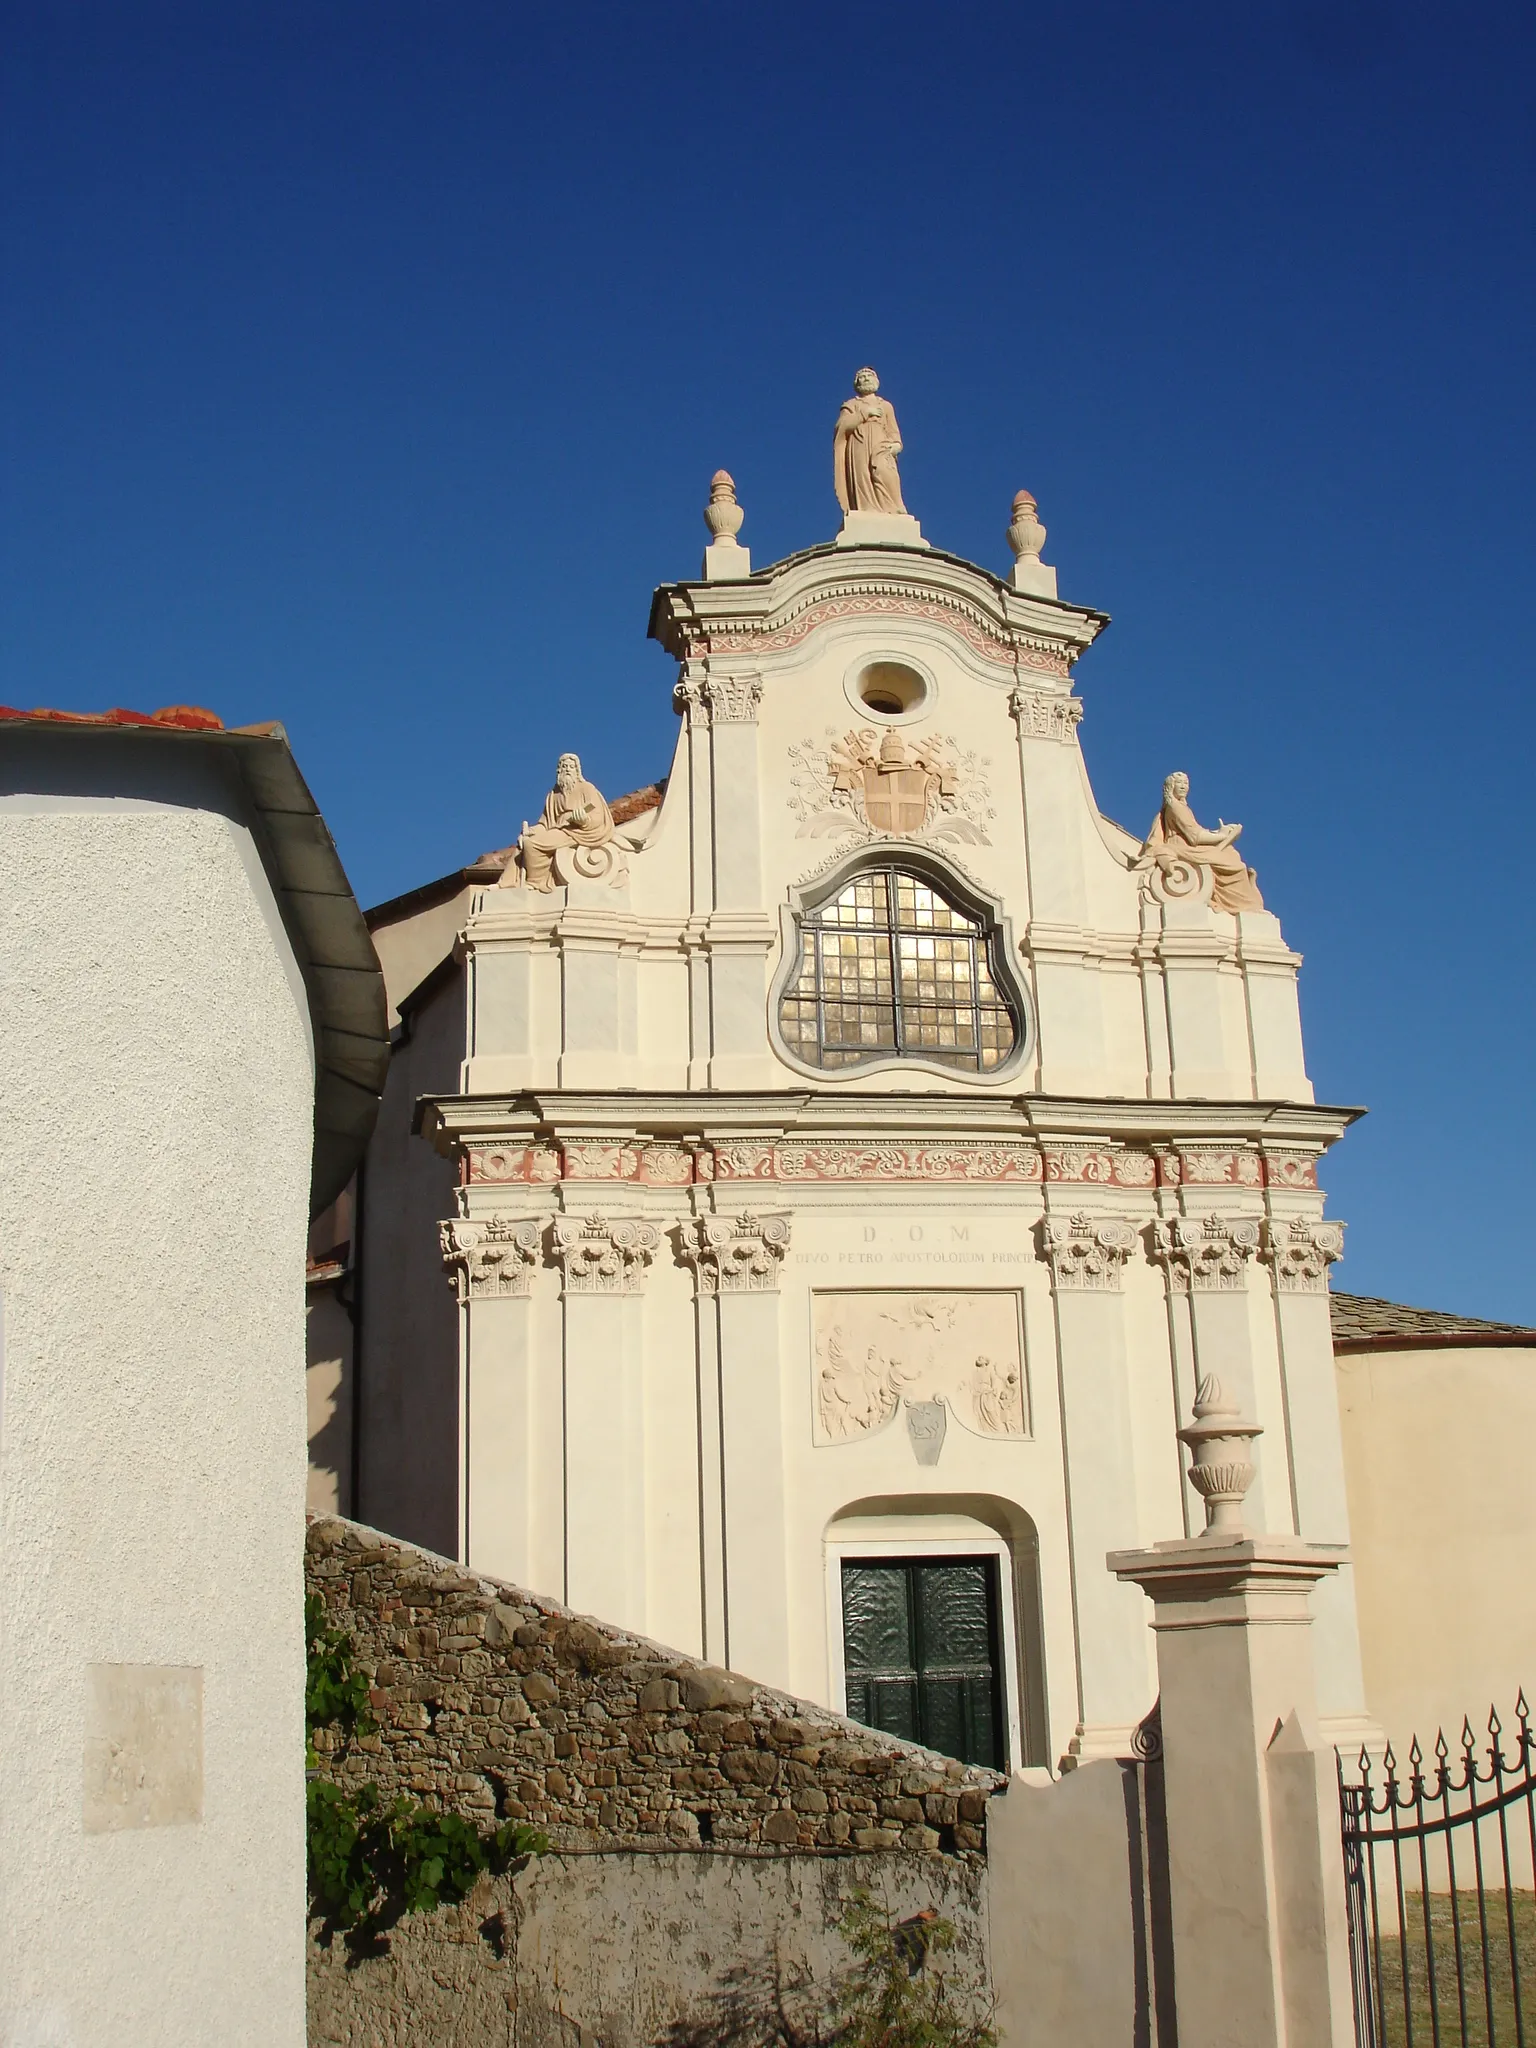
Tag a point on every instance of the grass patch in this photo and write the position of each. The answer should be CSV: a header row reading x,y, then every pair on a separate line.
x,y
1415,2023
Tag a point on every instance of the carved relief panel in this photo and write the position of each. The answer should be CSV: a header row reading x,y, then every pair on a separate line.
x,y
879,1351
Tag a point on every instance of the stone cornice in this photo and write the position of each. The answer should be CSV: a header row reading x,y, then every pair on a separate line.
x,y
775,610
1045,1121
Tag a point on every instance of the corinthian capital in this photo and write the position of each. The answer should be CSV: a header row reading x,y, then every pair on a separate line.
x,y
1087,1253
739,1255
489,1256
1301,1253
688,698
1208,1254
733,700
1046,714
604,1254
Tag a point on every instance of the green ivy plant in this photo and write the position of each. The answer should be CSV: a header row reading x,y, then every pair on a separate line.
x,y
370,1861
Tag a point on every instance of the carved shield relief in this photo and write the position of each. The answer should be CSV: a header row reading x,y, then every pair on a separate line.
x,y
897,800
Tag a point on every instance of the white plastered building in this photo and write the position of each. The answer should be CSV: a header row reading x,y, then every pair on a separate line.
x,y
847,1173
194,1033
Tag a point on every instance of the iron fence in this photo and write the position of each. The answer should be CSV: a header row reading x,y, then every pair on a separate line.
x,y
1439,1869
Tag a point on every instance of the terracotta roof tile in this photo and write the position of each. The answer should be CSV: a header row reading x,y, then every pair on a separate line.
x,y
1362,1322
189,717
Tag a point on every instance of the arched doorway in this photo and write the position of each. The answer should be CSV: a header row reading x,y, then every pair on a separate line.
x,y
934,1624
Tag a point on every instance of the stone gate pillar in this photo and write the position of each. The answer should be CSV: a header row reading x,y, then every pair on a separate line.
x,y
1255,1867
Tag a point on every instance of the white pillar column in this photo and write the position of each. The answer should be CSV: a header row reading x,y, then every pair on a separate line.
x,y
491,1262
738,854
1299,1251
688,696
603,1261
1087,1256
737,1261
1068,1008
739,934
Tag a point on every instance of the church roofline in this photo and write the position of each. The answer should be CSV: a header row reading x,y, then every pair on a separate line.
x,y
768,600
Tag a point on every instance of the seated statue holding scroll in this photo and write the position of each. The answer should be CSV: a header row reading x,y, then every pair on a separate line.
x,y
574,815
1178,841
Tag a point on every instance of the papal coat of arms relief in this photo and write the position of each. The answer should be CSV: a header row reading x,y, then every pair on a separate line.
x,y
889,785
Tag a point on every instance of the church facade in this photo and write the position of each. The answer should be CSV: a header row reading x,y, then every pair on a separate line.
x,y
847,1159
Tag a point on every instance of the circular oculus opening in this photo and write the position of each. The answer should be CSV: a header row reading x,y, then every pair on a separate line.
x,y
890,689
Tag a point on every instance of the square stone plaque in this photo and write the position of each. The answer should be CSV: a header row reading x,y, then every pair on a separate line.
x,y
143,1746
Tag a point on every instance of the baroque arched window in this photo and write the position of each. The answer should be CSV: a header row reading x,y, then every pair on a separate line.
x,y
889,968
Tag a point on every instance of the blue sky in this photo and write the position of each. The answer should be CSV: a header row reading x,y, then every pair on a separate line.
x,y
365,367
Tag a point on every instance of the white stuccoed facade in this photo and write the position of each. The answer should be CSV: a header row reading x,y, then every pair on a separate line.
x,y
727,1316
157,1139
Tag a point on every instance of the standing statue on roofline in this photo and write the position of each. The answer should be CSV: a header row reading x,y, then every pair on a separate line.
x,y
865,445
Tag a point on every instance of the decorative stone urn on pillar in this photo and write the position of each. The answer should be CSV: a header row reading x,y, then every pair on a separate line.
x,y
1220,1469
1255,1871
1026,537
725,559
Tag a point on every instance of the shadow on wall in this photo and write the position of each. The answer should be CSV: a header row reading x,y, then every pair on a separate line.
x,y
328,1396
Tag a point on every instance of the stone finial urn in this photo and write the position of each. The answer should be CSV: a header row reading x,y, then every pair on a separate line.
x,y
1221,1470
722,515
1026,536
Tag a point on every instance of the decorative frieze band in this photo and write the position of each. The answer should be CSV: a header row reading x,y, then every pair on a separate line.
x,y
658,1164
1208,1254
1301,1252
1018,650
1046,715
736,1255
604,1254
491,1255
1087,1254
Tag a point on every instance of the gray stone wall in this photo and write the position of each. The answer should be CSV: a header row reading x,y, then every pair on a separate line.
x,y
502,1704
707,1832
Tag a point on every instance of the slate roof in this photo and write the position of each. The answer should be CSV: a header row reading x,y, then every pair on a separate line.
x,y
1361,1322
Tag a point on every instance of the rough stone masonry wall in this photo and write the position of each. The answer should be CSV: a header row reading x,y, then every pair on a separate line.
x,y
728,1819
500,1703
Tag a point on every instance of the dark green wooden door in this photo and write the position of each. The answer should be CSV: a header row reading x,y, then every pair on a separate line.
x,y
920,1649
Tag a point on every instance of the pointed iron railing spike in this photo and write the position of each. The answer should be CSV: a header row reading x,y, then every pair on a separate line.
x,y
1468,1739
1495,1725
1442,1747
1389,1759
1520,1707
1365,1761
1415,1754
